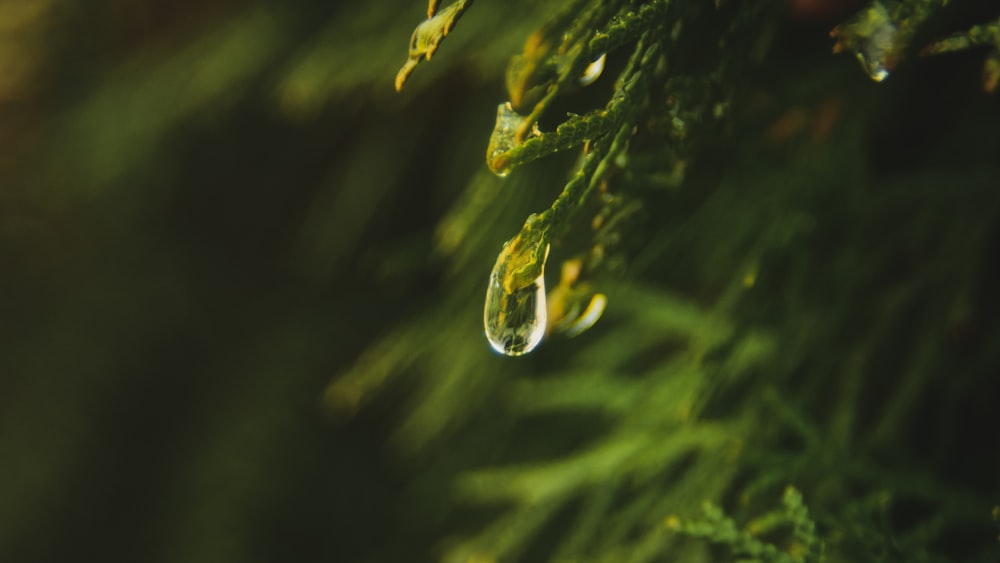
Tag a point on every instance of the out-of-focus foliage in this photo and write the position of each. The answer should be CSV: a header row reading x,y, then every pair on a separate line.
x,y
243,280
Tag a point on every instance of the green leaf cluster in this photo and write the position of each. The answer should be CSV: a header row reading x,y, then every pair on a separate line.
x,y
241,302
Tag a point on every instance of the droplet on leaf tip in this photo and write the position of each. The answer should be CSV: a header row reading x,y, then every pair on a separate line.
x,y
515,322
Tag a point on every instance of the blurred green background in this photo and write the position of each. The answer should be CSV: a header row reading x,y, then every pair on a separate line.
x,y
241,286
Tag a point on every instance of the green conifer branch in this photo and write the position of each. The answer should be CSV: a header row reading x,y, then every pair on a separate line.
x,y
571,133
626,28
579,47
648,411
880,34
429,34
987,34
598,160
982,34
716,527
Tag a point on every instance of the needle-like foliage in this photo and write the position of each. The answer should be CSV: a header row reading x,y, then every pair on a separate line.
x,y
246,263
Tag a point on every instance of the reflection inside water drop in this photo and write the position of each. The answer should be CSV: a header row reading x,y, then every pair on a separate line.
x,y
515,321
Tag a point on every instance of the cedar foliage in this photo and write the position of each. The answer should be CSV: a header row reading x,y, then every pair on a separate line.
x,y
244,281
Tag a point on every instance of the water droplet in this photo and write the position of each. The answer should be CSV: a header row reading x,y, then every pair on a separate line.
x,y
874,38
515,321
515,314
873,66
503,139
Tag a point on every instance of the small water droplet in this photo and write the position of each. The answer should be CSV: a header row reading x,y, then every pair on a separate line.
x,y
515,314
874,38
515,321
873,66
503,139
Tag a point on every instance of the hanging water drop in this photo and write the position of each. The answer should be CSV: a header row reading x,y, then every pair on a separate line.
x,y
874,38
515,321
503,139
515,314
